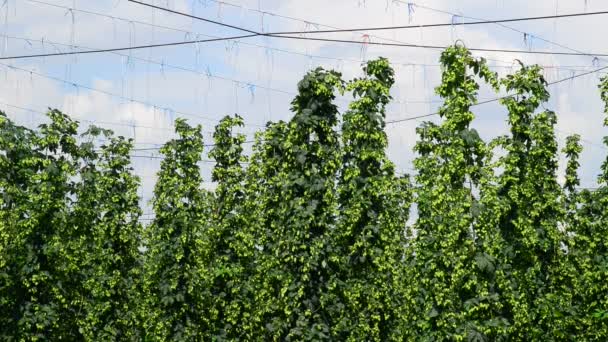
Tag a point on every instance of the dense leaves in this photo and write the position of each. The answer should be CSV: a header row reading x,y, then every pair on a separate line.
x,y
455,297
308,237
367,245
293,267
177,297
106,220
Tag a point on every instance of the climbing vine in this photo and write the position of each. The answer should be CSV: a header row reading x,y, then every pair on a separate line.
x,y
453,298
175,270
532,212
367,245
313,234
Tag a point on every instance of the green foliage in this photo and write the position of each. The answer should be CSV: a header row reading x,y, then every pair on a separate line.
x,y
532,209
293,268
263,195
365,297
36,182
307,238
455,296
590,251
177,299
228,245
107,219
572,151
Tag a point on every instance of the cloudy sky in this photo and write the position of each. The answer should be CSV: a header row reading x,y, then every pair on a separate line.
x,y
139,93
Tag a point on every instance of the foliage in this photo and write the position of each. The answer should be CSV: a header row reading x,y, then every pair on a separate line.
x,y
107,217
455,296
367,244
295,247
307,237
176,295
227,248
36,182
532,213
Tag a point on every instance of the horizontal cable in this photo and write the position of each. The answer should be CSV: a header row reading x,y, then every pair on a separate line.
x,y
148,104
286,37
358,61
452,24
205,74
113,123
390,122
281,35
526,34
266,47
161,64
127,48
415,5
442,47
333,28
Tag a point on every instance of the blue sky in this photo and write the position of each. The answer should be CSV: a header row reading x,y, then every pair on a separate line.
x,y
139,93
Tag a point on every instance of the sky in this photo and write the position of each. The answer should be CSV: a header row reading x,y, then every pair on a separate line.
x,y
139,93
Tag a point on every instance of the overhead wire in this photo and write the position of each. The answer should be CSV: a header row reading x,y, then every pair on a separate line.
x,y
187,69
128,99
112,123
97,122
127,48
209,161
159,63
416,5
390,122
254,33
217,76
93,122
535,36
429,47
403,27
478,22
282,34
205,145
443,47
401,63
479,103
246,142
238,28
121,97
211,36
250,35
195,71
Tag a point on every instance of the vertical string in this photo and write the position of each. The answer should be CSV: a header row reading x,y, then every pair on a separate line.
x,y
555,21
219,11
32,91
73,58
411,9
454,22
269,102
208,88
251,89
131,65
262,26
236,96
393,13
270,59
152,41
5,5
366,40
